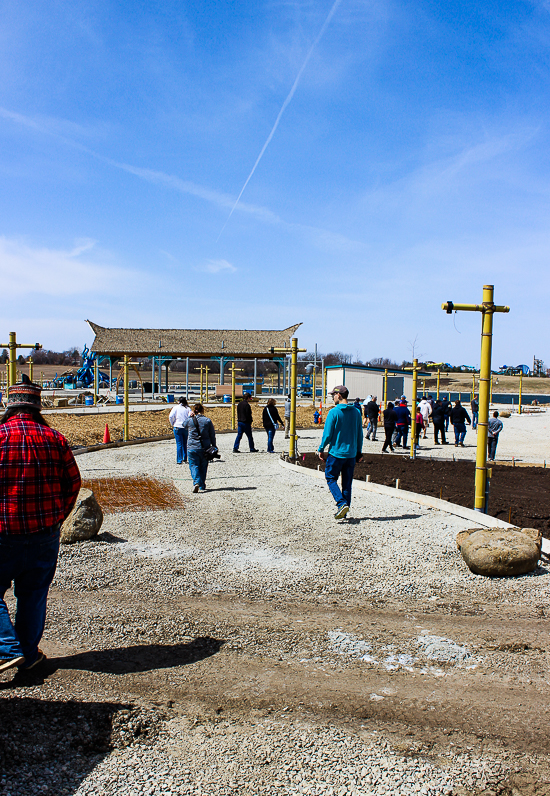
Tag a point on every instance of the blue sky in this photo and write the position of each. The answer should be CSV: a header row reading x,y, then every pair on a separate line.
x,y
410,165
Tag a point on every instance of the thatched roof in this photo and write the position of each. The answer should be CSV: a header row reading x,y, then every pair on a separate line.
x,y
196,343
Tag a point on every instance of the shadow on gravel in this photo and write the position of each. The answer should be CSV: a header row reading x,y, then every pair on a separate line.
x,y
232,489
142,658
398,517
51,746
109,538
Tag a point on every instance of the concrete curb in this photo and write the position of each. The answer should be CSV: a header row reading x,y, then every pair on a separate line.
x,y
475,517
109,445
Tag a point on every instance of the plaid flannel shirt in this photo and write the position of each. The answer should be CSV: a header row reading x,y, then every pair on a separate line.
x,y
39,477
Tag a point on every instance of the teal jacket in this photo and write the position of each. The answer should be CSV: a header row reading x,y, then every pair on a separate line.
x,y
343,432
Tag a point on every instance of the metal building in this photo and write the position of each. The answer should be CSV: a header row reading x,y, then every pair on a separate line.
x,y
362,380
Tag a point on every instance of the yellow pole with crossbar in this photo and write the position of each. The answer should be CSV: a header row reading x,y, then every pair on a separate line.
x,y
520,391
385,389
12,347
487,309
127,398
294,350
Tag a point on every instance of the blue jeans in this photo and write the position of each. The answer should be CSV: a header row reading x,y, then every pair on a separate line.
x,y
460,433
333,468
198,464
475,416
402,432
447,418
29,561
492,443
270,438
243,428
181,435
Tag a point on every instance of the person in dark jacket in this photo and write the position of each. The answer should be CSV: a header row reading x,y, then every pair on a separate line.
x,y
438,419
197,443
402,423
446,404
244,424
271,422
459,417
390,417
475,411
372,413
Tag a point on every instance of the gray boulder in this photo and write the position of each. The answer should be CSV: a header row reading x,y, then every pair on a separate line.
x,y
85,519
498,553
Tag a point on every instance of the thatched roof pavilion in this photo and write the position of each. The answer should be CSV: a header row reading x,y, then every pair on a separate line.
x,y
195,343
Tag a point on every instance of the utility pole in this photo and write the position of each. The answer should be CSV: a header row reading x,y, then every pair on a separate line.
x,y
487,309
12,347
415,370
293,386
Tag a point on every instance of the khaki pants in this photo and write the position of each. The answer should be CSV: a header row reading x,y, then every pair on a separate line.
x,y
287,427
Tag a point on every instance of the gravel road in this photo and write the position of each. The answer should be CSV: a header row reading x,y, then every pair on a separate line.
x,y
249,643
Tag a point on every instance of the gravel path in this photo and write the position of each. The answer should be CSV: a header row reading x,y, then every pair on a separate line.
x,y
265,535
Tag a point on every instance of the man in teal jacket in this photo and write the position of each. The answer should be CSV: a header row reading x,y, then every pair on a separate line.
x,y
344,436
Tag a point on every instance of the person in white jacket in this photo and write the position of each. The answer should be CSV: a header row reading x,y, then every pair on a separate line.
x,y
178,418
426,410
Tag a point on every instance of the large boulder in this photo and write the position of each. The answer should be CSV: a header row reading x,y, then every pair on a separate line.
x,y
85,519
498,552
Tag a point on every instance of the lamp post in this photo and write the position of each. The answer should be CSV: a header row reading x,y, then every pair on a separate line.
x,y
293,386
12,347
487,309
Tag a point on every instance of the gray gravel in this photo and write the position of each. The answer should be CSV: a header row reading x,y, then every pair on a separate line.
x,y
262,532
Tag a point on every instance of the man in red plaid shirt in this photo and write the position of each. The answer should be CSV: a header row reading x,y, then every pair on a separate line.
x,y
39,484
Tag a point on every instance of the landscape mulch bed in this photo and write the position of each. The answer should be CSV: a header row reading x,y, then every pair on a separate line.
x,y
521,493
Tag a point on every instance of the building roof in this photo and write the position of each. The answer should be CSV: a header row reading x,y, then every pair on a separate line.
x,y
196,343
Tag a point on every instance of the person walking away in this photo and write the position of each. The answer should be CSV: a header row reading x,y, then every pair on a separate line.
x,y
419,426
438,417
244,424
494,427
475,411
390,418
357,405
447,406
178,418
426,410
287,417
372,413
459,416
343,434
402,423
198,441
366,402
271,422
38,489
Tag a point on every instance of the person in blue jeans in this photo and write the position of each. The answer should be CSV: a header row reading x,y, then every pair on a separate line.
x,y
475,411
343,434
178,418
459,418
244,424
271,421
197,443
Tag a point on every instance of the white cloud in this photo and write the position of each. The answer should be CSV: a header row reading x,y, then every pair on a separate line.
x,y
217,266
25,270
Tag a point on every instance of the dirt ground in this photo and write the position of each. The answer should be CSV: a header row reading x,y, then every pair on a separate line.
x,y
520,495
84,430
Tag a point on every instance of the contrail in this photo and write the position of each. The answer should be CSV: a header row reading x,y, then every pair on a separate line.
x,y
283,108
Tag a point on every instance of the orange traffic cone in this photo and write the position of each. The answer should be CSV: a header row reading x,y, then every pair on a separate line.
x,y
106,436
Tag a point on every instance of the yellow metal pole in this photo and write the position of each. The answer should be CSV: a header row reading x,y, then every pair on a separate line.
x,y
491,392
127,399
12,347
520,390
96,381
325,388
423,387
438,377
200,391
233,425
413,409
314,384
293,387
206,385
31,368
487,308
385,389
473,386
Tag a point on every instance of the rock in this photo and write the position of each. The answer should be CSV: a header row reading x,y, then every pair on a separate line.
x,y
498,553
85,519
